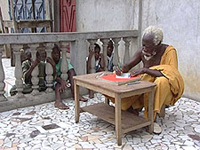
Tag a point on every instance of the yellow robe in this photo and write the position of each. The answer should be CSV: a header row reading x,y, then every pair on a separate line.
x,y
168,89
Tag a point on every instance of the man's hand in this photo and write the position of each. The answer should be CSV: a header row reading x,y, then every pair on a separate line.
x,y
51,61
118,71
36,62
91,53
63,86
139,71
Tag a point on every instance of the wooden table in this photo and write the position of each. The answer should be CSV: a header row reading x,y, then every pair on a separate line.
x,y
123,120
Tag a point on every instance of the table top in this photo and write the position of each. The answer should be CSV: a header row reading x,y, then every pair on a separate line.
x,y
93,79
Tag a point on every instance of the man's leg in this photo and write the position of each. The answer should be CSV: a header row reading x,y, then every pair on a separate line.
x,y
72,73
58,103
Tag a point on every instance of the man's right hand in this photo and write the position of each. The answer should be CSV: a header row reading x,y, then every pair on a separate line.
x,y
118,71
91,53
36,62
51,61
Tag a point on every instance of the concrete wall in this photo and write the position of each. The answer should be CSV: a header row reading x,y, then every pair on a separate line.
x,y
103,15
4,9
180,21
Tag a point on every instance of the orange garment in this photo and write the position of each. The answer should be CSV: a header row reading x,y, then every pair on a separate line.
x,y
169,88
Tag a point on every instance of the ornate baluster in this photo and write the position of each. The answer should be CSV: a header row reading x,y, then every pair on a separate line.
x,y
116,54
35,72
18,70
127,45
64,64
92,69
105,45
49,68
2,77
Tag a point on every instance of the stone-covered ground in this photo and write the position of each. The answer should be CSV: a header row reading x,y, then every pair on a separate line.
x,y
47,128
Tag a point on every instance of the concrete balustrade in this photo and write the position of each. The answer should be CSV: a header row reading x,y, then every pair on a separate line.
x,y
78,52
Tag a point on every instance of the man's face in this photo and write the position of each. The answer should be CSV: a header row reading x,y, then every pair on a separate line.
x,y
56,55
109,48
148,45
28,56
96,53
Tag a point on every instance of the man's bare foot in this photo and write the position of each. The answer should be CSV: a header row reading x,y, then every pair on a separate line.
x,y
61,105
91,94
134,111
81,98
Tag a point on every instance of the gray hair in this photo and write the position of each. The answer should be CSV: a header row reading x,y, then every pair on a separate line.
x,y
156,32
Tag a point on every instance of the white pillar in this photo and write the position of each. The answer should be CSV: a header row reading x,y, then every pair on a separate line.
x,y
116,54
64,64
49,69
35,72
18,70
127,45
105,45
92,69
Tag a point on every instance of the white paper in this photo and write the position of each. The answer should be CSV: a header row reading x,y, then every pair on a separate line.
x,y
124,75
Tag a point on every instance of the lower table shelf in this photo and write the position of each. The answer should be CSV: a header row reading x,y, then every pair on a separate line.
x,y
129,121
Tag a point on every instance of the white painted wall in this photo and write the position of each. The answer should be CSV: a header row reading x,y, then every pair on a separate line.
x,y
4,9
179,19
103,15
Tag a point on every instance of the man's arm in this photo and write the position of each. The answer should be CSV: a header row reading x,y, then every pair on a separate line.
x,y
53,64
62,82
133,62
30,70
102,62
91,53
154,73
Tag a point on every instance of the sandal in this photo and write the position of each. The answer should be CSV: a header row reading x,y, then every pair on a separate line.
x,y
157,129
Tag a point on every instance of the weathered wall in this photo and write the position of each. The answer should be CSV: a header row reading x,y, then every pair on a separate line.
x,y
180,21
4,9
101,15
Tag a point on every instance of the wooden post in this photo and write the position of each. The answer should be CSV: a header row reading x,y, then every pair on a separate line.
x,y
118,128
6,47
77,104
15,28
150,110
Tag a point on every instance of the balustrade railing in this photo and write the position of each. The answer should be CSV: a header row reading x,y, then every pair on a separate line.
x,y
79,50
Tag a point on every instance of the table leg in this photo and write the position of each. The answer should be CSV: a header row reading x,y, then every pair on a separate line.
x,y
77,104
118,128
107,100
150,110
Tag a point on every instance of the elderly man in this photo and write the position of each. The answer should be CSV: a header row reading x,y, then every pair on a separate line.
x,y
160,65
